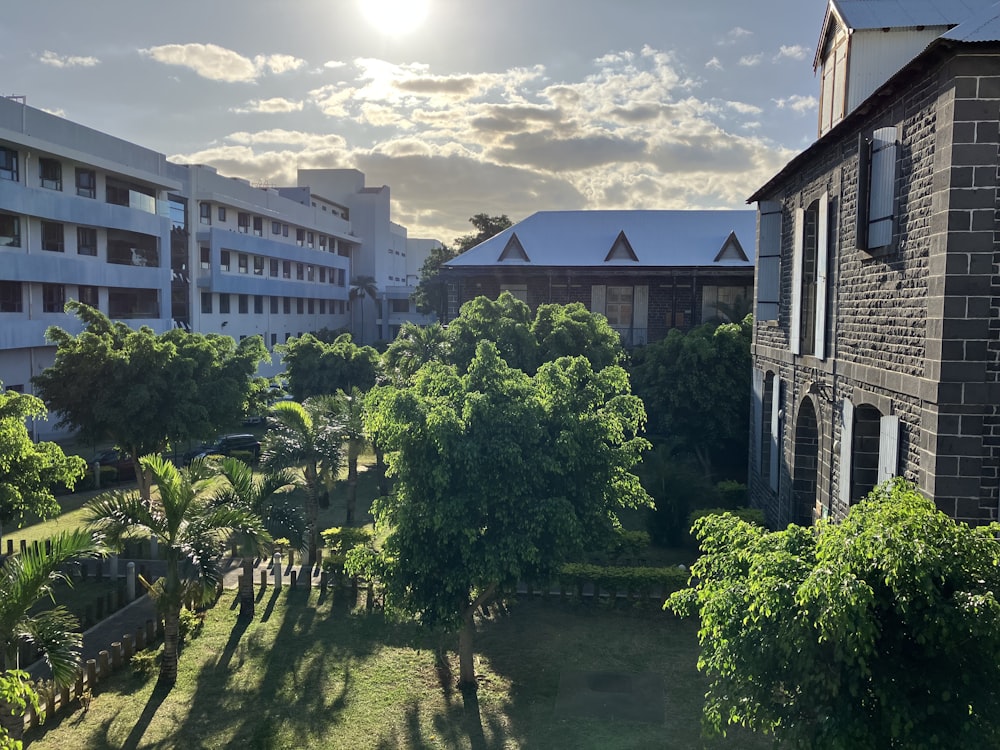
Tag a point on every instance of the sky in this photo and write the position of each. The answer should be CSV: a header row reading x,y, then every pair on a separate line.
x,y
459,106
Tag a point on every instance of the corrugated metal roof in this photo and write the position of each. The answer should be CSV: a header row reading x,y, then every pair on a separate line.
x,y
984,26
581,239
882,14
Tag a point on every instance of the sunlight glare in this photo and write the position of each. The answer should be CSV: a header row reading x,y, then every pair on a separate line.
x,y
395,17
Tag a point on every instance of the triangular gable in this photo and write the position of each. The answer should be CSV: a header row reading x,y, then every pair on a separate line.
x,y
621,249
513,250
731,250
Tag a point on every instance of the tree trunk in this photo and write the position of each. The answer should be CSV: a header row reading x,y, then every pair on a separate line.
x,y
246,589
352,481
312,511
171,640
383,485
466,654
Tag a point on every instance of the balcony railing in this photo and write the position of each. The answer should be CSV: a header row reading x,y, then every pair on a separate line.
x,y
631,336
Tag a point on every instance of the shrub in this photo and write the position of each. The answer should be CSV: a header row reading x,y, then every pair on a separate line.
x,y
342,539
190,625
750,515
146,663
732,494
641,582
626,543
678,488
247,457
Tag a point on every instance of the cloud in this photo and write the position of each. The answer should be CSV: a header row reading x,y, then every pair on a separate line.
x,y
735,34
220,64
714,64
795,52
749,61
48,57
797,103
744,109
269,106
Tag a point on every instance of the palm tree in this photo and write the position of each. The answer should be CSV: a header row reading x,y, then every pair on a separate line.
x,y
414,347
265,497
310,435
361,287
25,579
352,409
190,528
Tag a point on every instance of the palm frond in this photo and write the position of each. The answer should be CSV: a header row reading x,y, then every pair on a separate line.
x,y
54,633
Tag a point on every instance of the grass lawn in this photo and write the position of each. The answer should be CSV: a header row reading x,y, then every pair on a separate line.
x,y
307,673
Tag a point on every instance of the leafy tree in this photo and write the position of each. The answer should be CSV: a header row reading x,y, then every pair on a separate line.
x,y
139,389
506,322
414,347
486,226
499,477
882,631
16,695
696,387
266,497
29,470
352,409
192,531
315,368
363,287
25,579
572,330
308,435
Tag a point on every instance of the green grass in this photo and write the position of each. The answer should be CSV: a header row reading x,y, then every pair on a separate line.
x,y
308,673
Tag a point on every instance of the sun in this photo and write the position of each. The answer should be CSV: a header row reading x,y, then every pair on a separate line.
x,y
395,17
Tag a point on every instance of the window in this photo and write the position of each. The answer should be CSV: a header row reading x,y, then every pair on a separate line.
x,y
50,174
86,183
274,268
322,275
286,269
11,297
809,266
341,277
258,304
309,273
618,309
275,227
258,226
244,304
309,239
300,306
520,291
243,263
8,164
86,241
274,339
206,257
724,303
876,189
299,272
274,305
224,304
224,260
284,230
222,213
833,84
768,259
258,266
10,231
53,237
399,305
322,242
205,212
767,425
311,306
322,307
53,298
206,302
286,305
300,237
243,222
88,295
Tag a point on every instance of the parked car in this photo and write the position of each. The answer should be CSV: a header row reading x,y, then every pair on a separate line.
x,y
119,459
227,445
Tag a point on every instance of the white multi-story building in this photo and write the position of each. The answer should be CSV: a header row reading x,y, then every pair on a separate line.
x,y
87,216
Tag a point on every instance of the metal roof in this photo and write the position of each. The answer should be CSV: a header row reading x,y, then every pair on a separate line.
x,y
584,239
984,26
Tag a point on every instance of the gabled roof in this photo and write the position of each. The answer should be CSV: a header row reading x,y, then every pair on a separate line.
x,y
630,239
983,26
513,251
858,15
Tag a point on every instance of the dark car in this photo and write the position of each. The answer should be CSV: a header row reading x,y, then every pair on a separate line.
x,y
227,445
119,460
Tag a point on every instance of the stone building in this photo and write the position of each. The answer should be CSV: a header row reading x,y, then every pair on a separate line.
x,y
877,332
646,271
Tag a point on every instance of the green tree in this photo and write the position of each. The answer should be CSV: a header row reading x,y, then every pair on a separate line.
x,y
882,631
191,530
505,321
364,287
141,390
316,368
29,470
16,695
696,387
309,435
352,409
499,477
414,347
572,330
486,226
266,497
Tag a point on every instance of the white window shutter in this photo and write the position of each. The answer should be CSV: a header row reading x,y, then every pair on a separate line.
x,y
888,447
772,471
846,450
758,417
598,295
795,324
822,261
882,191
768,259
640,315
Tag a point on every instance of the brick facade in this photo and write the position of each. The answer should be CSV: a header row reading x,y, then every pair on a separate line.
x,y
913,329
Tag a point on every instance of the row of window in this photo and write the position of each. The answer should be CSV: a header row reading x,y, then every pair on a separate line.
x,y
124,248
122,303
276,269
276,304
244,222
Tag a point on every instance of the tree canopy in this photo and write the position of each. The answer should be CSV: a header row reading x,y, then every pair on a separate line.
x,y
696,387
316,368
29,470
882,631
499,476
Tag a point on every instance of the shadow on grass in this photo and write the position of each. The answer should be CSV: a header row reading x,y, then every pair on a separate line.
x,y
156,698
